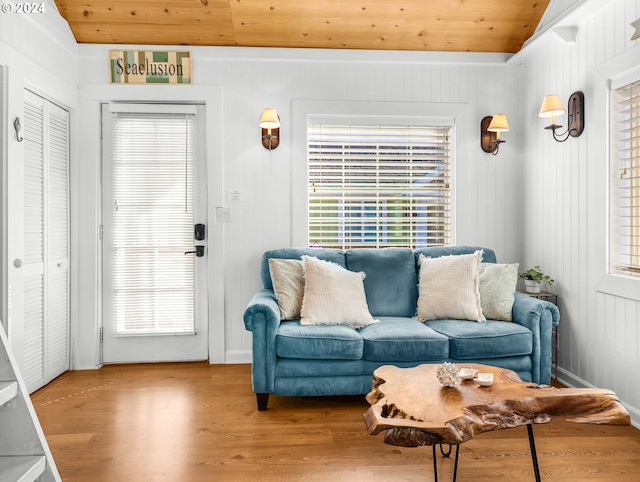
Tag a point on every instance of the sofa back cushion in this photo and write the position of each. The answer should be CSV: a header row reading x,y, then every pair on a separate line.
x,y
488,255
391,282
328,254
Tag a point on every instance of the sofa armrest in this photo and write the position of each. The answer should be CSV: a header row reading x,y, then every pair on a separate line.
x,y
540,317
262,318
263,303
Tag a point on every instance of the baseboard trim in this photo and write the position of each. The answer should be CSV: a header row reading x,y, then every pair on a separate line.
x,y
237,356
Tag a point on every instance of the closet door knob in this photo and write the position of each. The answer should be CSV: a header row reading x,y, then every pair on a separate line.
x,y
17,263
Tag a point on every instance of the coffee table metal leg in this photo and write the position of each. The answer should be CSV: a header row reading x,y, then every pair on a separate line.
x,y
534,454
435,464
446,455
443,453
455,465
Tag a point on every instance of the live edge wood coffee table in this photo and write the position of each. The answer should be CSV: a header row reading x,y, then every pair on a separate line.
x,y
414,409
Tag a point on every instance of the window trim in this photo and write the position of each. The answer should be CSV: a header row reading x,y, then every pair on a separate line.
x,y
375,113
619,285
618,71
616,244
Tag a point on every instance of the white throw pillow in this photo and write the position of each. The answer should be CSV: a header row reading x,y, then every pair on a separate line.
x,y
333,295
497,285
448,288
288,286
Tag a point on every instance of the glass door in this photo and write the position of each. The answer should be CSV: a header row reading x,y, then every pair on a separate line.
x,y
154,268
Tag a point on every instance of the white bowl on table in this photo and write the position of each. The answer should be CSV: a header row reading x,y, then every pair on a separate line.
x,y
467,373
484,379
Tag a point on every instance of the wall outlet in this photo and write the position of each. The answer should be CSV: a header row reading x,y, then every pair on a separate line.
x,y
223,215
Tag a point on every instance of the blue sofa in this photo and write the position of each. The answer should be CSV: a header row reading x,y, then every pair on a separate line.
x,y
290,359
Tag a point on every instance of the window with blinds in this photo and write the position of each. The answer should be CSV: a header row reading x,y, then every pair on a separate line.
x,y
379,186
153,217
625,145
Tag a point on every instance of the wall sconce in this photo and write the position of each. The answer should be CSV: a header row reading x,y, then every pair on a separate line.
x,y
490,129
552,107
270,123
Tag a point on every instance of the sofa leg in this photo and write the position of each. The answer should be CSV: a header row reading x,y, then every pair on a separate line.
x,y
263,400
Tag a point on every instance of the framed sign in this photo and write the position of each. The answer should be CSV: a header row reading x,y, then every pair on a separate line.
x,y
149,67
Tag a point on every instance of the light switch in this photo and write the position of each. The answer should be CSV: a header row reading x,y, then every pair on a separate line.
x,y
223,215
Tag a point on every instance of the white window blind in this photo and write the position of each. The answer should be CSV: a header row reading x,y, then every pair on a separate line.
x,y
625,130
153,171
377,186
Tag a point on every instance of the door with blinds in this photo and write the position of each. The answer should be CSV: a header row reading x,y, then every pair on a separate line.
x,y
45,265
154,207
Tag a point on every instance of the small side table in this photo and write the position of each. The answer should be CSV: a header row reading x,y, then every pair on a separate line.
x,y
551,298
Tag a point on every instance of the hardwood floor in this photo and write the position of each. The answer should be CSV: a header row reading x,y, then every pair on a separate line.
x,y
198,422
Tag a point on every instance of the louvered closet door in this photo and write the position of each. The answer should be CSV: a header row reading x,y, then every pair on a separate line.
x,y
57,243
46,242
33,267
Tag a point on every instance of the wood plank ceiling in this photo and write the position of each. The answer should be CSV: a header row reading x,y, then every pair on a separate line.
x,y
422,25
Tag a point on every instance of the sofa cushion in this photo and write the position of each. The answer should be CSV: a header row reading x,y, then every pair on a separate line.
x,y
328,254
333,295
488,255
448,288
493,339
287,277
497,285
403,339
336,342
391,281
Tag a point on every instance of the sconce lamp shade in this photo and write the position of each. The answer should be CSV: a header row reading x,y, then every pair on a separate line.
x,y
269,119
551,106
270,124
499,123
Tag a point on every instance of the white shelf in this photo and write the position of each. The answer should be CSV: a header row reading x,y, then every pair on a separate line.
x,y
8,391
22,468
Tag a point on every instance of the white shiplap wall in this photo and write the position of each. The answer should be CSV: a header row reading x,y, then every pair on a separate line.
x,y
565,197
487,203
263,220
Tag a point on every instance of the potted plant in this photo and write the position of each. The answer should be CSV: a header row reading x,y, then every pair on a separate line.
x,y
534,277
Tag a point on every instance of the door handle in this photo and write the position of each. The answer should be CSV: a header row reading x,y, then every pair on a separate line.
x,y
199,251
